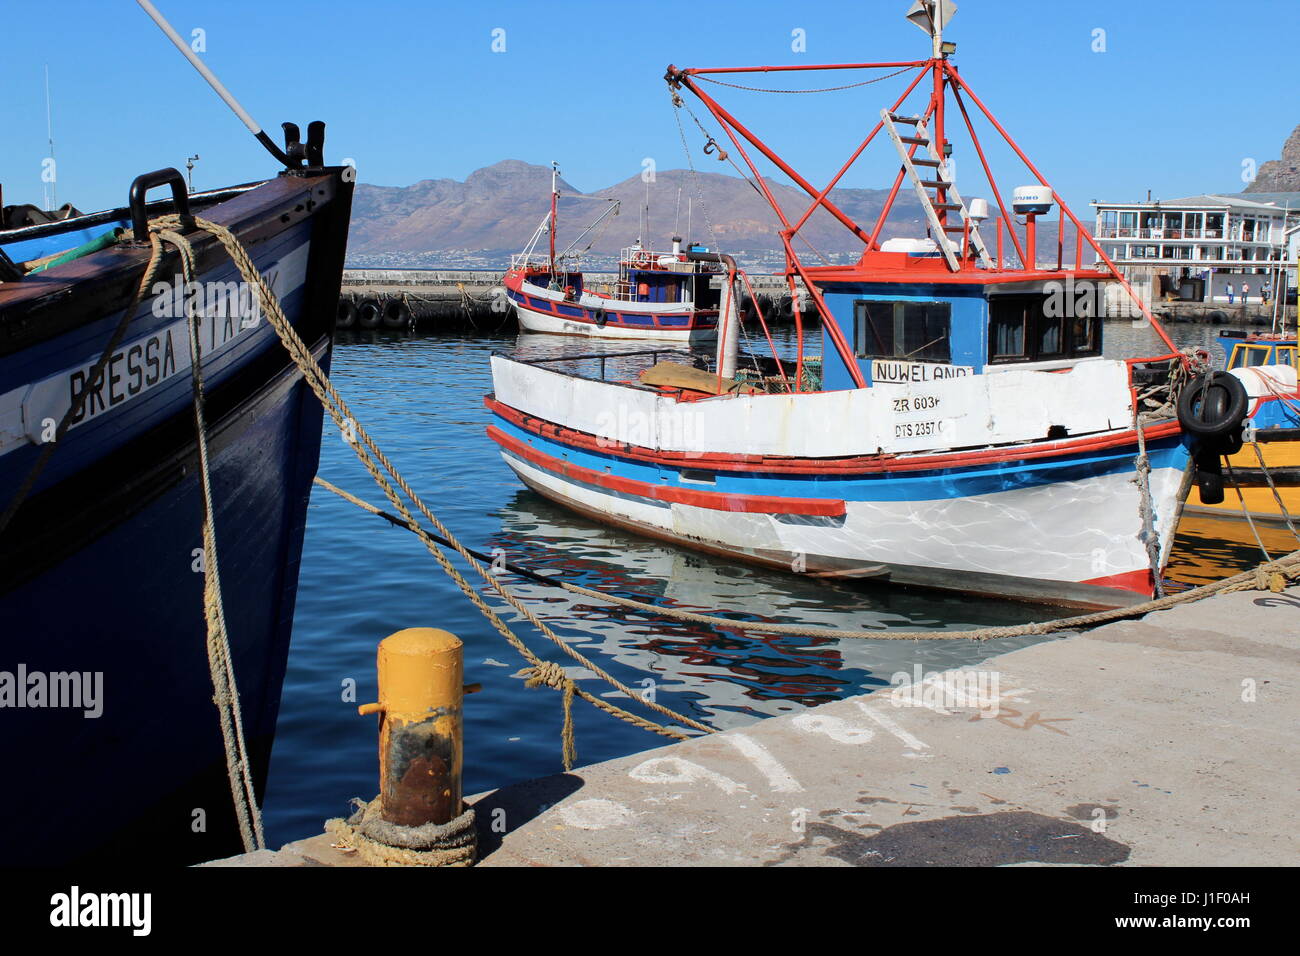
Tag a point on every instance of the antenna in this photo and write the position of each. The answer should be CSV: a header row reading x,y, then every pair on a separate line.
x,y
52,197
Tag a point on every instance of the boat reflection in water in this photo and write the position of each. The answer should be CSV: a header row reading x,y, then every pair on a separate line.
x,y
1210,547
732,675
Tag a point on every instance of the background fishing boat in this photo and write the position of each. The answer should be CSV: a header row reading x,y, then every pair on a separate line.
x,y
1264,471
959,430
110,733
666,296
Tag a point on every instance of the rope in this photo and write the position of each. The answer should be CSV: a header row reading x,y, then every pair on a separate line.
x,y
550,674
1236,487
1286,515
381,469
827,89
220,667
381,843
1287,567
1146,509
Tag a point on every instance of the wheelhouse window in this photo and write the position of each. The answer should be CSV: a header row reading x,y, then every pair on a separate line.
x,y
1043,328
1246,356
914,331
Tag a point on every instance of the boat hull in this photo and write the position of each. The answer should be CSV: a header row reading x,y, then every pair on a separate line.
x,y
755,478
548,311
101,566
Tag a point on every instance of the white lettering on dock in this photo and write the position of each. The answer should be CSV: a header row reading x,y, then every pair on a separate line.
x,y
777,776
677,770
840,731
889,724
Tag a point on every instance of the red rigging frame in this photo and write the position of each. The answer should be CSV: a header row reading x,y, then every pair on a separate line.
x,y
882,267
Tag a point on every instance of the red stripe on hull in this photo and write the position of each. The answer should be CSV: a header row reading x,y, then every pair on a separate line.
x,y
1138,582
713,500
818,466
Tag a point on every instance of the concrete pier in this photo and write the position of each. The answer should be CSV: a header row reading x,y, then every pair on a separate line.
x,y
1165,741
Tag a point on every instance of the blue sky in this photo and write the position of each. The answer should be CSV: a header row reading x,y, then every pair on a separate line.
x,y
1183,93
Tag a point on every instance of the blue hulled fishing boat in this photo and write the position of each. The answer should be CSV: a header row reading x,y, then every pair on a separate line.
x,y
108,731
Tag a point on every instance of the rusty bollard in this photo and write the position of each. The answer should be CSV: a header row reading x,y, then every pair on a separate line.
x,y
421,671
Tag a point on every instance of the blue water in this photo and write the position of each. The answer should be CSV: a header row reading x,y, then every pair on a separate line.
x,y
421,396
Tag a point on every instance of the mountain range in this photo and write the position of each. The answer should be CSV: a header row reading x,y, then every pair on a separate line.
x,y
496,209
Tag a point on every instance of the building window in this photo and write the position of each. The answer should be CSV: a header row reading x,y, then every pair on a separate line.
x,y
915,331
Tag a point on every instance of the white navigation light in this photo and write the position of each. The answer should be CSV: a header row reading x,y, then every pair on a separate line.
x,y
932,21
1031,200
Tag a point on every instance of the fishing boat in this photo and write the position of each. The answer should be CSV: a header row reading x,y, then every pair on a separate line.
x,y
1264,469
666,296
961,428
108,729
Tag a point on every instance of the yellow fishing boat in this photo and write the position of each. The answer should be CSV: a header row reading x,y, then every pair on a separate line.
x,y
1262,478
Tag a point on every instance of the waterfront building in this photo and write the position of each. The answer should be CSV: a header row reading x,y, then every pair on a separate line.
x,y
1194,248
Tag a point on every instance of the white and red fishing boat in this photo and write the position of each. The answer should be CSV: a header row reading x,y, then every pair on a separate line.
x,y
961,428
665,296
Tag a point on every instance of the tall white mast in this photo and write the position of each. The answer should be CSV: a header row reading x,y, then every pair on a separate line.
x,y
52,196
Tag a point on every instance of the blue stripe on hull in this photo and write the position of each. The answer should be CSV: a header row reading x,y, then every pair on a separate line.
x,y
937,484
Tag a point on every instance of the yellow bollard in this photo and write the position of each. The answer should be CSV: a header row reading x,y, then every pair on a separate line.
x,y
421,671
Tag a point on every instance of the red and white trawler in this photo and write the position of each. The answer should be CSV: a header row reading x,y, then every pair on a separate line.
x,y
960,429
666,296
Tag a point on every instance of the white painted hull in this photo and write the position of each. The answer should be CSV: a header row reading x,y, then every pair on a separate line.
x,y
1045,543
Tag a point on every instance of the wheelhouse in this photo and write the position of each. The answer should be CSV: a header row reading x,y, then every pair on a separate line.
x,y
929,329
1257,351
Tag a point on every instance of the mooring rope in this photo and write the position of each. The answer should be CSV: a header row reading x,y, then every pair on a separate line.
x,y
1276,573
221,668
377,464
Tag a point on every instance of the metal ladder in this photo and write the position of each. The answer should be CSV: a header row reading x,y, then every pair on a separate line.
x,y
929,203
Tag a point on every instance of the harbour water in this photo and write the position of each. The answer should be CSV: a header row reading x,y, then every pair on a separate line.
x,y
361,579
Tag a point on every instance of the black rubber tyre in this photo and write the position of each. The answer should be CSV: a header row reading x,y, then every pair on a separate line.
x,y
1213,406
600,318
369,315
1218,317
346,318
396,314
